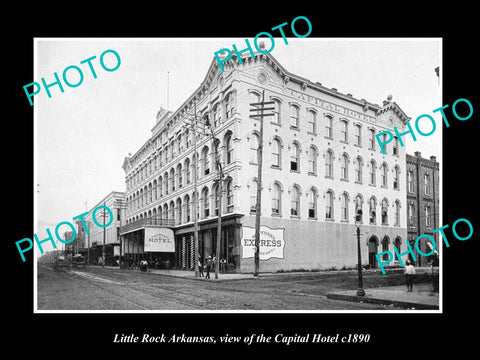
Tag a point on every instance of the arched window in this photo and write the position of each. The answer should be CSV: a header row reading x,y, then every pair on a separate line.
x,y
216,115
410,181
372,210
344,167
411,214
396,178
206,203
165,212
180,175
179,211
372,139
344,131
358,135
397,213
186,200
253,196
328,126
385,242
172,179
373,176
171,209
228,147
384,141
397,244
312,203
395,146
165,183
254,97
295,157
276,199
276,153
329,205
155,190
229,192
344,206
276,112
426,179
150,194
359,207
384,212
383,175
206,161
329,164
160,187
188,171
253,143
358,170
312,122
428,220
295,201
294,116
230,103
312,160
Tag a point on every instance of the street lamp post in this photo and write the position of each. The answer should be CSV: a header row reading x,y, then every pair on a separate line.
x,y
360,290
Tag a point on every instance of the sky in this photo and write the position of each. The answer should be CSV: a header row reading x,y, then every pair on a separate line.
x,y
84,134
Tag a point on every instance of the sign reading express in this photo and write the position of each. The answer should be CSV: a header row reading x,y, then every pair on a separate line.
x,y
272,243
159,240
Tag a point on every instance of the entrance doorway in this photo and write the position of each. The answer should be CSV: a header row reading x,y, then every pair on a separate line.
x,y
372,251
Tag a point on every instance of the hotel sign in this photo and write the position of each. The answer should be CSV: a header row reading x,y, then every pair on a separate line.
x,y
333,107
159,240
272,243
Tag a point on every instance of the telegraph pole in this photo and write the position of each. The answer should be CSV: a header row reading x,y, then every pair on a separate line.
x,y
195,192
259,107
104,215
219,218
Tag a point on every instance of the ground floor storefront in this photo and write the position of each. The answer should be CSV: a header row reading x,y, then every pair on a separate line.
x,y
285,244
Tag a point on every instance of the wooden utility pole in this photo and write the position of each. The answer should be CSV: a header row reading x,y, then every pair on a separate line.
x,y
193,127
259,107
219,215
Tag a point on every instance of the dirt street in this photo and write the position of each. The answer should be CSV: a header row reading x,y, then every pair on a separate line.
x,y
97,288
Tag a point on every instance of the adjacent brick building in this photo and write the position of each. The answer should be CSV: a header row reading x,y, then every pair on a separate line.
x,y
423,192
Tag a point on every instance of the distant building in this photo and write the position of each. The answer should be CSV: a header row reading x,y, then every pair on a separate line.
x,y
95,239
423,177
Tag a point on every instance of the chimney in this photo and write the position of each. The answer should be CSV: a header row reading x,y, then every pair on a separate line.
x,y
418,154
433,158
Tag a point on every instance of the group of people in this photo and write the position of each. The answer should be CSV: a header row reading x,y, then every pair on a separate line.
x,y
209,266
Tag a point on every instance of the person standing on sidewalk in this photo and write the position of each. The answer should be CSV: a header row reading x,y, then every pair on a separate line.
x,y
200,268
208,267
409,275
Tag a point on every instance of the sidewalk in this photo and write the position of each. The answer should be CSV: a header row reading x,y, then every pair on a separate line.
x,y
191,275
422,297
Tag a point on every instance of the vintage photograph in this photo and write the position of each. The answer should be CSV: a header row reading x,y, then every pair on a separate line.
x,y
238,175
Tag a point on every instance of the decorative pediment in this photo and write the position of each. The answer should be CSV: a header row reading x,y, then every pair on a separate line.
x,y
390,111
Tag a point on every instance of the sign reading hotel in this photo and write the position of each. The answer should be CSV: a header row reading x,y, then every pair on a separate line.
x,y
272,243
333,107
159,240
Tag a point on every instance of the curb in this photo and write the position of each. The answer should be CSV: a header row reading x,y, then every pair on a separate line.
x,y
397,303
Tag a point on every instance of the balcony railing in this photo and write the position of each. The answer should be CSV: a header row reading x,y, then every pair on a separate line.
x,y
147,222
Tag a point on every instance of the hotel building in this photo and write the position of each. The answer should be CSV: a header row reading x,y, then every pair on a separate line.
x,y
321,165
